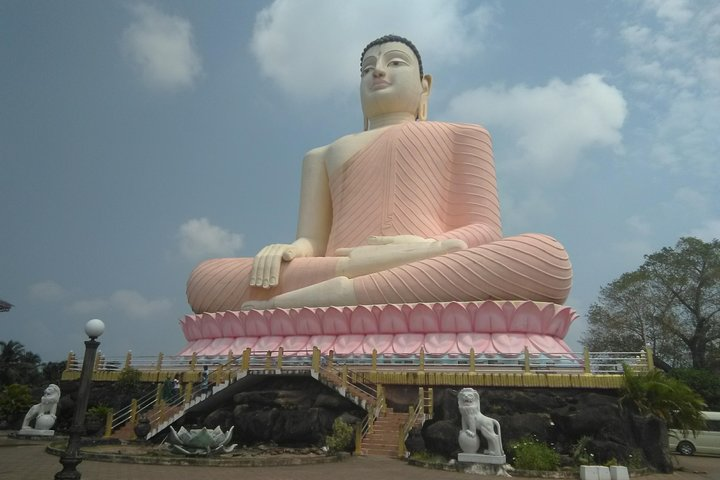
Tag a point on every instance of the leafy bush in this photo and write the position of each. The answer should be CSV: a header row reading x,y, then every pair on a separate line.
x,y
15,399
427,457
704,382
666,397
341,438
533,455
128,380
99,411
580,455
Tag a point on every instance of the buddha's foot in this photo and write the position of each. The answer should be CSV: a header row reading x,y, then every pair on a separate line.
x,y
258,305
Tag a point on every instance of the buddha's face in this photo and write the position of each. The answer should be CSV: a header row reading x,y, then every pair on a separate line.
x,y
390,80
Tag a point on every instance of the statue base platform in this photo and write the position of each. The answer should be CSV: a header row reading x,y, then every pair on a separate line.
x,y
452,328
481,458
31,432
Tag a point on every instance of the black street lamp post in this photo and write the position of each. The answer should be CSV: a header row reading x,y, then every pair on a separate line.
x,y
71,457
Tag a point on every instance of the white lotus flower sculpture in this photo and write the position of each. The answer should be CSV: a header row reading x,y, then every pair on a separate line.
x,y
200,441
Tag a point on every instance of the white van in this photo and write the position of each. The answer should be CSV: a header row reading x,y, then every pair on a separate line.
x,y
704,441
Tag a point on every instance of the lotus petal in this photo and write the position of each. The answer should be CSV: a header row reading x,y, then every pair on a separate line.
x,y
441,343
256,324
347,344
407,343
489,318
363,321
307,322
526,318
392,320
280,323
379,342
233,324
480,342
422,319
455,318
335,322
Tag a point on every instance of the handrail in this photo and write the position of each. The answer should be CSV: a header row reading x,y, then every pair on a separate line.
x,y
566,362
413,415
125,414
343,377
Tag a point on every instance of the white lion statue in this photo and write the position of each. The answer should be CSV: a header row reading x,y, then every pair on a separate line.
x,y
472,421
44,412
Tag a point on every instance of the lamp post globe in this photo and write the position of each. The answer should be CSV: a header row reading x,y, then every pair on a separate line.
x,y
94,328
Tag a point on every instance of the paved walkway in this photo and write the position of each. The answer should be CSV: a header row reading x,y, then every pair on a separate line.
x,y
28,461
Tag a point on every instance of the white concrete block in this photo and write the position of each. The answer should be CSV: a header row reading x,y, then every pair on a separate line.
x,y
603,473
619,473
589,472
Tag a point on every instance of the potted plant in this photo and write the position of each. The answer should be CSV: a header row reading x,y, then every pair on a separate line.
x,y
96,418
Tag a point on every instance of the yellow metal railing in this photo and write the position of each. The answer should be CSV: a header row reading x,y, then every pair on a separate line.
x,y
525,369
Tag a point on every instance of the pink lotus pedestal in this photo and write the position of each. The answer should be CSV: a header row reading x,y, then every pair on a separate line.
x,y
437,328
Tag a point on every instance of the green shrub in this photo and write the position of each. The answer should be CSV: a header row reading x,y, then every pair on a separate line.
x,y
533,455
341,438
427,457
15,399
666,397
705,382
580,455
99,411
128,380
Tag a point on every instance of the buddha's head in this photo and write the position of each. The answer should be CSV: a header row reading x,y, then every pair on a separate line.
x,y
392,79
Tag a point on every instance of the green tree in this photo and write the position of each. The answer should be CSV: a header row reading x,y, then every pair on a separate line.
x,y
18,365
52,371
664,396
14,400
671,303
689,276
704,382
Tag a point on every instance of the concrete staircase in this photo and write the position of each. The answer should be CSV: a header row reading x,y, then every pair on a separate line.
x,y
170,414
383,440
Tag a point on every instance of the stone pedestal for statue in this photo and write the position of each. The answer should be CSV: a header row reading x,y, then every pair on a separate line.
x,y
452,328
42,415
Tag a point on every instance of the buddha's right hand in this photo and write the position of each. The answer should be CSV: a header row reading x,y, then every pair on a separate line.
x,y
266,266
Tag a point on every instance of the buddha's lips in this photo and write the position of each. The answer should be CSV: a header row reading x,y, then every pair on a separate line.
x,y
380,84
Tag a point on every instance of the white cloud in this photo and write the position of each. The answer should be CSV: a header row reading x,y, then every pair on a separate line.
x,y
124,302
638,225
674,68
690,199
91,306
137,306
708,231
325,58
200,239
48,291
674,11
161,47
687,133
553,123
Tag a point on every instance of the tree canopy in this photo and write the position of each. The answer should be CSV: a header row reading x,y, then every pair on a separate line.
x,y
671,303
21,366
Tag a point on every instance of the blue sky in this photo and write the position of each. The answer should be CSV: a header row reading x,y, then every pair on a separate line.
x,y
138,138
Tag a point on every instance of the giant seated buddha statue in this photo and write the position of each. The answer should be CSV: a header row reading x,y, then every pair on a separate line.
x,y
404,213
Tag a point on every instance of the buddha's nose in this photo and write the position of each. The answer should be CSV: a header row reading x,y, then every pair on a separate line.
x,y
378,72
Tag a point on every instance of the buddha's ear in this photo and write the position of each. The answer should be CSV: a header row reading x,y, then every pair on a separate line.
x,y
426,83
422,112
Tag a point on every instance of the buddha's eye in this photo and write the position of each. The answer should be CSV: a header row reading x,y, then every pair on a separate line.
x,y
366,70
397,63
